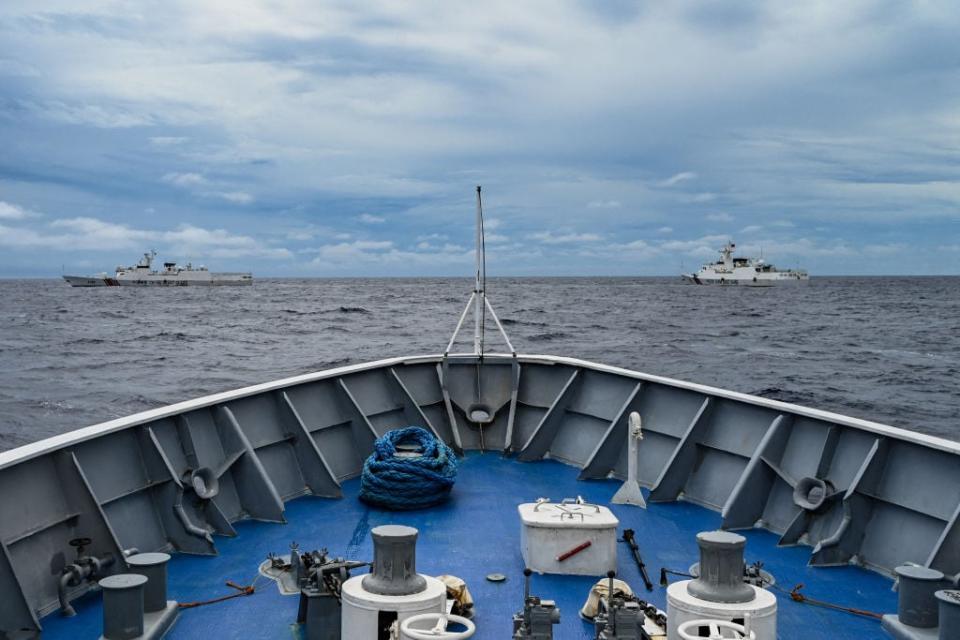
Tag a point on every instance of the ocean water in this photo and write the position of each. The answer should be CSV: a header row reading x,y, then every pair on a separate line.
x,y
884,349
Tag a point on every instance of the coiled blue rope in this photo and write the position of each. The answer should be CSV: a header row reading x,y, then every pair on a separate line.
x,y
412,482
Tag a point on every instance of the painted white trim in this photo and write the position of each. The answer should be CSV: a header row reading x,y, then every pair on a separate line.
x,y
32,450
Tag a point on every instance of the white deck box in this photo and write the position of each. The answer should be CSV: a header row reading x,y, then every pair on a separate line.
x,y
551,529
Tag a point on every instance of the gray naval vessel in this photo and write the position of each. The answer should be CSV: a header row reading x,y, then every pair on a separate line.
x,y
745,272
572,477
172,275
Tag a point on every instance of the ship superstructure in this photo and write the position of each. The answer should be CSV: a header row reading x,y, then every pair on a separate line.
x,y
172,275
751,272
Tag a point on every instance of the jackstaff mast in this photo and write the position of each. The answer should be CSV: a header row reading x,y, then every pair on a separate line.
x,y
480,295
478,298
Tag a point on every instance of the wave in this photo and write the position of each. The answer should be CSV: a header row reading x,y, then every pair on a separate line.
x,y
86,341
549,336
297,312
174,336
787,395
509,322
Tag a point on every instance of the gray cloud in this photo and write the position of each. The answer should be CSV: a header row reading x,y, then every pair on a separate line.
x,y
830,124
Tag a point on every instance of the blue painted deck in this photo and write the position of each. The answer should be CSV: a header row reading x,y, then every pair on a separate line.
x,y
476,533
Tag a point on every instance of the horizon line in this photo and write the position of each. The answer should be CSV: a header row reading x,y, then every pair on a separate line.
x,y
468,277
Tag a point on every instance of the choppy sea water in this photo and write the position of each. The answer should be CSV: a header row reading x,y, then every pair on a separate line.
x,y
885,349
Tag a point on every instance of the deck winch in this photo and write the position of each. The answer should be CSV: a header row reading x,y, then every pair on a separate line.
x,y
319,579
535,621
620,618
393,591
618,614
720,593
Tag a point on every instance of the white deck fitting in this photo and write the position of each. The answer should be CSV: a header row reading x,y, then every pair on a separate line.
x,y
683,607
361,608
550,529
629,491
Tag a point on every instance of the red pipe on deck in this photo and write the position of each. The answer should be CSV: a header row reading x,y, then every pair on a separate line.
x,y
577,549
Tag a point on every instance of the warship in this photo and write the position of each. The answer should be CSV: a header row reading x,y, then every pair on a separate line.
x,y
172,275
749,272
243,514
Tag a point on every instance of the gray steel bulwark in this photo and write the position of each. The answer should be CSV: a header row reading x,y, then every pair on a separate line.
x,y
174,478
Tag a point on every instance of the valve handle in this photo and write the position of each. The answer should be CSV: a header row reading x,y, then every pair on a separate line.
x,y
690,630
438,631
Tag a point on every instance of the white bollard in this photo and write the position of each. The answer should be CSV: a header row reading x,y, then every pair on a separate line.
x,y
629,492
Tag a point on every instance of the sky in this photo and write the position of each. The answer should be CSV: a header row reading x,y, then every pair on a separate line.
x,y
611,138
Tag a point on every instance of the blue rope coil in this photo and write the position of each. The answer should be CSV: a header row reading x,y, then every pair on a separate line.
x,y
408,482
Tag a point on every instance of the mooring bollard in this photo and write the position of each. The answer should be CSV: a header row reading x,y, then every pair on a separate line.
x,y
916,605
949,613
721,568
123,606
153,566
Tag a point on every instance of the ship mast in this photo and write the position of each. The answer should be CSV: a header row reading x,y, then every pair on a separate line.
x,y
480,295
478,298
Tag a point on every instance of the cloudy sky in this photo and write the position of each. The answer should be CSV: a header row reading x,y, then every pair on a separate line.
x,y
610,137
